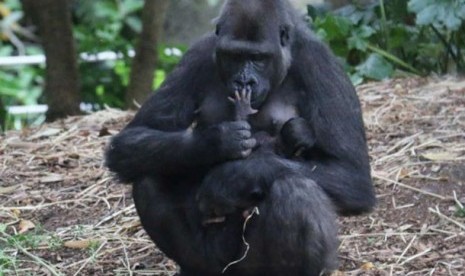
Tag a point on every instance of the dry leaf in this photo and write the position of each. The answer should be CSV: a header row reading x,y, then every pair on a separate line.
x,y
104,132
367,266
25,225
440,156
16,212
7,190
51,178
23,145
82,244
404,172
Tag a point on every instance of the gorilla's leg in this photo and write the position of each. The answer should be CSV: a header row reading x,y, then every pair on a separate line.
x,y
295,233
172,220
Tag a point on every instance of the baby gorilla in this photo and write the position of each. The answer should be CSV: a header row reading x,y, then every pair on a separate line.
x,y
311,250
243,191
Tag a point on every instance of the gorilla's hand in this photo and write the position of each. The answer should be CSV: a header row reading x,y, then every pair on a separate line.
x,y
233,140
297,136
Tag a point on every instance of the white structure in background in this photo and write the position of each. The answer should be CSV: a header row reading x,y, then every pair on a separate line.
x,y
40,59
37,110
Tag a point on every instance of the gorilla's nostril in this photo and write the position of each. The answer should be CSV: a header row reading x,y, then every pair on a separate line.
x,y
251,82
238,85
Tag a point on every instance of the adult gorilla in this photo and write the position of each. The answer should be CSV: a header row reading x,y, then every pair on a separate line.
x,y
185,143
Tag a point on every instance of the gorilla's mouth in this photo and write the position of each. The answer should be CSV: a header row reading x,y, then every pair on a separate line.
x,y
220,219
258,99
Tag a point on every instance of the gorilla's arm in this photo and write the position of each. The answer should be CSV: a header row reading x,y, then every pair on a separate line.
x,y
337,154
160,141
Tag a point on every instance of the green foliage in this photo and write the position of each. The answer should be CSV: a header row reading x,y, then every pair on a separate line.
x,y
442,13
460,212
10,244
104,25
380,40
21,85
115,25
375,67
446,19
107,24
6,261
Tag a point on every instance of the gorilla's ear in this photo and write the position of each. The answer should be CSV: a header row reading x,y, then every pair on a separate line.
x,y
284,35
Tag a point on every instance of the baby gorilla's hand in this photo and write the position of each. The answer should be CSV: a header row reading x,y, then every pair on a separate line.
x,y
242,104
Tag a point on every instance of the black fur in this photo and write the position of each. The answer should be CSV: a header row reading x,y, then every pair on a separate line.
x,y
300,156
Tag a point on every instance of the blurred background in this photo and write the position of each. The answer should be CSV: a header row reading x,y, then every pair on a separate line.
x,y
61,58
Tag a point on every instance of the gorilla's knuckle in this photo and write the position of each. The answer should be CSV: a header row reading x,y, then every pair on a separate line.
x,y
243,125
248,144
245,153
244,134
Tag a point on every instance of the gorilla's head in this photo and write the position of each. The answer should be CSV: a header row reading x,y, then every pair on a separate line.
x,y
254,46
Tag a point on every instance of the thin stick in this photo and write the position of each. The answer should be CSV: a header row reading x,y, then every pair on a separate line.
x,y
255,211
406,249
40,206
416,256
409,187
437,212
90,258
49,267
114,215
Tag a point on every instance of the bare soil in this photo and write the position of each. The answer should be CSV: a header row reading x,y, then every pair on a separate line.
x,y
63,213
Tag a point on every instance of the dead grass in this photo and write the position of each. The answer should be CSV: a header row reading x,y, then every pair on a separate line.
x,y
61,212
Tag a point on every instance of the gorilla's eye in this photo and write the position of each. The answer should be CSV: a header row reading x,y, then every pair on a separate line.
x,y
259,60
217,30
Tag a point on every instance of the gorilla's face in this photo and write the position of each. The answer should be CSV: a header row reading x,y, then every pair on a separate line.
x,y
252,55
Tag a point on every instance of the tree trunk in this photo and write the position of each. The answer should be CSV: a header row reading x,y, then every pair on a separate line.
x,y
144,63
53,19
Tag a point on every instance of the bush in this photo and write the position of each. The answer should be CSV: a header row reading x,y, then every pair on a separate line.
x,y
395,37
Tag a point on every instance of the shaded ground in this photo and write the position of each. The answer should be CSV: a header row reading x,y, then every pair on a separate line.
x,y
61,213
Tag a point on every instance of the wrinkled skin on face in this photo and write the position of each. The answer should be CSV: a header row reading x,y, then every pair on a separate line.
x,y
252,56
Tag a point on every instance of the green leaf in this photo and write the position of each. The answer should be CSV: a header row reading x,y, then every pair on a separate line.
x,y
399,35
359,38
358,43
356,79
335,27
312,11
427,15
418,5
445,13
452,22
375,67
134,23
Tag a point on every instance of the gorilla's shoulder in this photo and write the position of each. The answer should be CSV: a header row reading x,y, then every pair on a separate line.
x,y
206,43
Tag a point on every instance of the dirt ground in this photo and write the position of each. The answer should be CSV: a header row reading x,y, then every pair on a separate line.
x,y
62,213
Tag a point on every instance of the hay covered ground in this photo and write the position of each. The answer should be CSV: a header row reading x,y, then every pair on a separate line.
x,y
62,213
